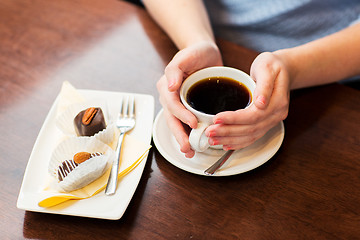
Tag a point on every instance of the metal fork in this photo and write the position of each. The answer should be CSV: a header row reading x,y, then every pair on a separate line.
x,y
125,122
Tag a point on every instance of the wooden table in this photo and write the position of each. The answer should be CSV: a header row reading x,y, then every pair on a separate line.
x,y
309,190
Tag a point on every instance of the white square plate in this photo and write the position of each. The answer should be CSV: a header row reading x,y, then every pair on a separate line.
x,y
100,205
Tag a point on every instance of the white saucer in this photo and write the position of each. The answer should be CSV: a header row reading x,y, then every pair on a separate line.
x,y
241,160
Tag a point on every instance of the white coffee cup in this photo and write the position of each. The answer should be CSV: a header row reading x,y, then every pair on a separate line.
x,y
198,141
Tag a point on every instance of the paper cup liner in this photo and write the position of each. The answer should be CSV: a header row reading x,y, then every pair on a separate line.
x,y
85,172
108,135
65,122
68,95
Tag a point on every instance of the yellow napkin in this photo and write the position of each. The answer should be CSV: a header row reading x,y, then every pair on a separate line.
x,y
133,152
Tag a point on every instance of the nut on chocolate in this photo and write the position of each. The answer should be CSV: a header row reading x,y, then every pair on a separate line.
x,y
89,115
89,122
81,157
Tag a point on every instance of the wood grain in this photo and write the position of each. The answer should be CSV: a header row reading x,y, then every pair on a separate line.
x,y
309,190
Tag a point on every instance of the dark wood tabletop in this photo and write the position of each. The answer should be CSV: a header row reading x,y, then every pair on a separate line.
x,y
310,189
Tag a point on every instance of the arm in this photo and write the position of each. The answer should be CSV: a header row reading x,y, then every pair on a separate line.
x,y
325,60
322,61
187,24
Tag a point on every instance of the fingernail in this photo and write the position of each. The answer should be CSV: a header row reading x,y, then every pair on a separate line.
x,y
226,148
189,124
218,121
171,83
210,134
261,99
213,141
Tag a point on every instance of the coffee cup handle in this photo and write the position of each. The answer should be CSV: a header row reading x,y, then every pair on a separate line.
x,y
198,141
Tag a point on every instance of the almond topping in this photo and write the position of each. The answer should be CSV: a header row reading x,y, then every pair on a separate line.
x,y
81,157
89,115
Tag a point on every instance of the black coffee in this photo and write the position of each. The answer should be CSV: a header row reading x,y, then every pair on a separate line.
x,y
218,94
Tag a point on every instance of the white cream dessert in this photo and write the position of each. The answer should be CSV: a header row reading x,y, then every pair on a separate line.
x,y
80,171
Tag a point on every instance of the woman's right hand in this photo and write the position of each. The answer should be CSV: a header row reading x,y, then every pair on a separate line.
x,y
185,62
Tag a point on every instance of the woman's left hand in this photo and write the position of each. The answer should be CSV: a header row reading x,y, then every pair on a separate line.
x,y
241,128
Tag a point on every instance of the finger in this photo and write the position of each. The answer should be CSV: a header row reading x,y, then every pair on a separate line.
x,y
179,68
232,130
174,76
184,115
179,133
237,146
221,130
171,102
237,142
233,142
264,73
190,154
248,116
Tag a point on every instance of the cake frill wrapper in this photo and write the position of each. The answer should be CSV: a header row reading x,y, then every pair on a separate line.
x,y
85,172
68,96
133,153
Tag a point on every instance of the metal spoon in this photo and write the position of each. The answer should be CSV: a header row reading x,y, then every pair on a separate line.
x,y
213,168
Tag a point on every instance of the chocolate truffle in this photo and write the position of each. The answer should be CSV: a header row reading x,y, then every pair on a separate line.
x,y
89,122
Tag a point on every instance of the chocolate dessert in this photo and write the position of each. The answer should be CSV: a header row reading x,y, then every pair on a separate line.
x,y
89,122
69,165
65,168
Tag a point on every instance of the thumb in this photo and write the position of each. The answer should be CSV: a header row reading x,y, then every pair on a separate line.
x,y
265,81
174,76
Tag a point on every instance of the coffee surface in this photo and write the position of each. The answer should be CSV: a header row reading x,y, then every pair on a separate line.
x,y
218,94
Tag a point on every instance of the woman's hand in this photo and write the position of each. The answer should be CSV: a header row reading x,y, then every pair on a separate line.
x,y
315,63
241,128
186,61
